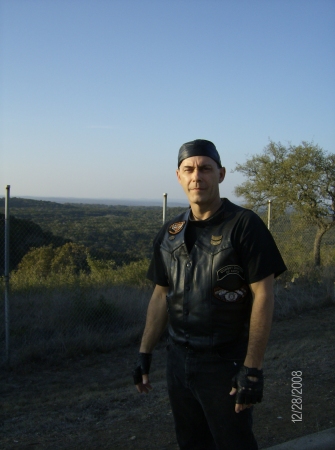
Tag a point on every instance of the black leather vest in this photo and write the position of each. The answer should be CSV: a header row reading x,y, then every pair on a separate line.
x,y
208,301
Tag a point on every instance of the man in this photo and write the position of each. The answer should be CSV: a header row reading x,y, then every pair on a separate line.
x,y
213,267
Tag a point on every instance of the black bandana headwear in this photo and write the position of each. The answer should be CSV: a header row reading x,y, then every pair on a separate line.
x,y
199,147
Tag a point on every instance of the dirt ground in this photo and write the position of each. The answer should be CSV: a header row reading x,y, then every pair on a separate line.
x,y
90,403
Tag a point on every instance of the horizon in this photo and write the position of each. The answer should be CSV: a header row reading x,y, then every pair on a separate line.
x,y
108,201
171,202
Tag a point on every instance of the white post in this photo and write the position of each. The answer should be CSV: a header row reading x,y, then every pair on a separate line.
x,y
7,317
164,207
269,214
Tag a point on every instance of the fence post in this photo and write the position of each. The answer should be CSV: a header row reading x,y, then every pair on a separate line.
x,y
7,317
164,207
269,214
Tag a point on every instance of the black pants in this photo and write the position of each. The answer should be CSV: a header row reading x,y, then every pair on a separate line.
x,y
204,412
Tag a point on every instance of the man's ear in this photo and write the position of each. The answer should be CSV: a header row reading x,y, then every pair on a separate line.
x,y
178,175
222,174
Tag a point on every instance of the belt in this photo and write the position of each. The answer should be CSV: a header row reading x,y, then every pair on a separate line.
x,y
188,346
234,350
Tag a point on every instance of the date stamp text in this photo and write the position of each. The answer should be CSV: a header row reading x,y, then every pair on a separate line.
x,y
296,393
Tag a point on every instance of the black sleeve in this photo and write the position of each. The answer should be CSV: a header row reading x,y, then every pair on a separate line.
x,y
156,271
258,251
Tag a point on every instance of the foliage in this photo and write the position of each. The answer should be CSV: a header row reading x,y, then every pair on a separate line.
x,y
132,274
69,298
37,262
71,265
298,177
24,235
107,272
119,233
115,236
44,261
70,258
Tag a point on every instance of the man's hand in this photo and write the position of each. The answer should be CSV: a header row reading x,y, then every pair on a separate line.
x,y
144,386
247,385
141,373
157,318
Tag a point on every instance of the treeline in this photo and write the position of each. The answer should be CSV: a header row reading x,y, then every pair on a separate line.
x,y
119,235
71,265
122,234
23,236
296,240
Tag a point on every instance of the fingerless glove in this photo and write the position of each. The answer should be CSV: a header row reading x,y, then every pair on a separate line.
x,y
248,391
143,367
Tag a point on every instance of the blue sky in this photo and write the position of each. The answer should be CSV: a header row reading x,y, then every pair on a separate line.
x,y
97,96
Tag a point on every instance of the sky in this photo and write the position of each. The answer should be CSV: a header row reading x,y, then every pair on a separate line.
x,y
97,96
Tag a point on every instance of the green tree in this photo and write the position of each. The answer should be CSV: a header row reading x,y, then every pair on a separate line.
x,y
299,177
71,258
40,263
37,262
24,235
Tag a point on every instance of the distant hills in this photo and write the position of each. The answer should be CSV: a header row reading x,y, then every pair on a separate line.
x,y
122,233
111,201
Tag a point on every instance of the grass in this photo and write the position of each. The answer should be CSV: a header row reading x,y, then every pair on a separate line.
x,y
66,323
67,316
312,288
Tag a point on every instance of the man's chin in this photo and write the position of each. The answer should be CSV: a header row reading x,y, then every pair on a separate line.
x,y
198,198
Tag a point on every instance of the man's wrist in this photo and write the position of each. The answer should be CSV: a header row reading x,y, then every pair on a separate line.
x,y
145,350
143,367
145,362
253,363
253,372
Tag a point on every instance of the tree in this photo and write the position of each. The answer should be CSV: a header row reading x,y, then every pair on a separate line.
x,y
71,258
24,235
39,263
299,177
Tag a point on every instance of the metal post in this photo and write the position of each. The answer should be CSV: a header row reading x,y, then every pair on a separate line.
x,y
164,207
7,274
269,214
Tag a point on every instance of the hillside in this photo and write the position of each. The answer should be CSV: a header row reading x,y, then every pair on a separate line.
x,y
125,233
121,233
24,235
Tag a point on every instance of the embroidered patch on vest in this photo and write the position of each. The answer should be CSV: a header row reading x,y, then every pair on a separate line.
x,y
176,227
229,296
216,240
229,270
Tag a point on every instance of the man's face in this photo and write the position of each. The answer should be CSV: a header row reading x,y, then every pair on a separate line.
x,y
200,177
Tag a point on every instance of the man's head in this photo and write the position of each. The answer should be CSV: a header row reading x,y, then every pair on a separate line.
x,y
200,172
199,147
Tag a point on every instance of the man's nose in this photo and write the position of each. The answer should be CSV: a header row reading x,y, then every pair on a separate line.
x,y
196,175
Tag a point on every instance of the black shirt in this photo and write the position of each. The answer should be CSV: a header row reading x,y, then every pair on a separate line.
x,y
251,239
